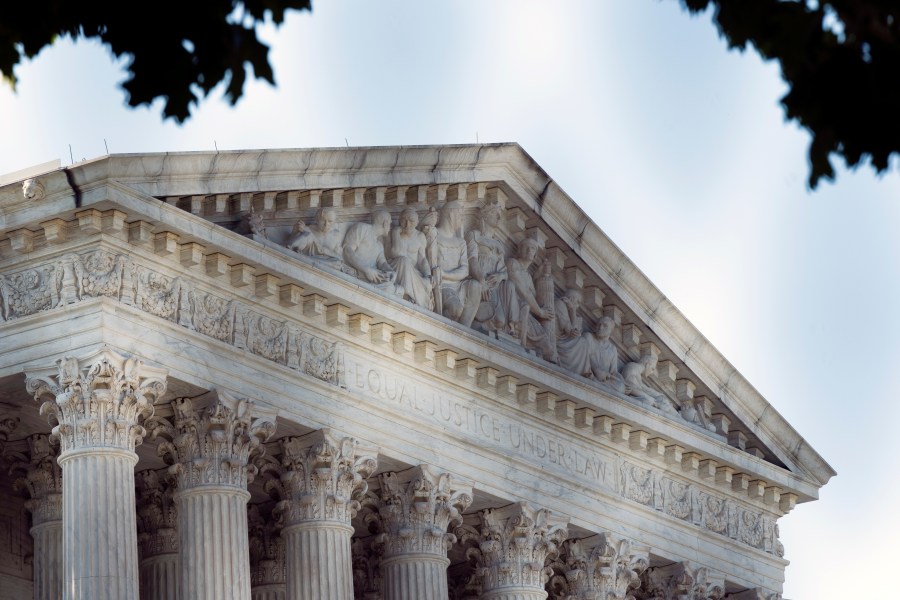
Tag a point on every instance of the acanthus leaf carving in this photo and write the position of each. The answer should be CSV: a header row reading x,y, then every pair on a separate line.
x,y
514,544
267,549
415,509
214,445
157,513
680,581
322,477
367,579
603,567
99,400
41,476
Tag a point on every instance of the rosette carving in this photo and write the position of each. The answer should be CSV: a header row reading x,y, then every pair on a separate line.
x,y
157,513
41,476
516,543
213,445
415,509
603,568
98,401
322,477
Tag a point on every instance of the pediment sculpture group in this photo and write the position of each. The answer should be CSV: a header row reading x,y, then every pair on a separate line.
x,y
467,275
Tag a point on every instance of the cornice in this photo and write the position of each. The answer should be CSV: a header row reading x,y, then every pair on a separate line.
x,y
193,173
573,406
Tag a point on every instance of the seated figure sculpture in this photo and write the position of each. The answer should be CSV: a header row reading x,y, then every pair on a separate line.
x,y
321,241
591,355
363,252
406,254
604,357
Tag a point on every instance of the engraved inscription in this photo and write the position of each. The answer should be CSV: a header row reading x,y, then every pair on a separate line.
x,y
453,412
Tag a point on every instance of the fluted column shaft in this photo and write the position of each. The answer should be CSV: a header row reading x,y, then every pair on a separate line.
x,y
416,507
210,448
48,565
157,536
320,565
159,577
321,476
41,475
98,403
275,591
413,576
515,542
213,543
99,527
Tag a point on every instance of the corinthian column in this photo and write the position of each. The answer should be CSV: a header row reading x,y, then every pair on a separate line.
x,y
516,541
603,568
417,506
210,450
98,403
42,477
7,426
157,536
682,580
323,474
267,571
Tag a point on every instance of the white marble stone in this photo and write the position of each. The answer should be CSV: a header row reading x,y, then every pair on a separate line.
x,y
449,305
414,510
211,449
98,402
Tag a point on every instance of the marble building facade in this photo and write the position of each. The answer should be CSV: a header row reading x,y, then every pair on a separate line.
x,y
364,373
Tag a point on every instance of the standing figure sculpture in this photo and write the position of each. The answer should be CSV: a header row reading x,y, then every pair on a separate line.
x,y
451,267
321,241
487,267
363,250
531,322
406,254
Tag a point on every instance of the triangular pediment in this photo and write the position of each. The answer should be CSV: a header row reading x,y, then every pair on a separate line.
x,y
477,238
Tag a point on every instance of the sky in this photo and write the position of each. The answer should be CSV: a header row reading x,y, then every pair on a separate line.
x,y
674,146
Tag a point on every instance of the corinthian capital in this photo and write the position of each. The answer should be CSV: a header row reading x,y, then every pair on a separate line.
x,y
41,475
367,578
516,542
603,568
416,507
322,477
682,581
97,401
267,551
157,514
213,445
7,426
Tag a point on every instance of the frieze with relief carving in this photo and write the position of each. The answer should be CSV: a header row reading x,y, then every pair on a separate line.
x,y
77,277
685,502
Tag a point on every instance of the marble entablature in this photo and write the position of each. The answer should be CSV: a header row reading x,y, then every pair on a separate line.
x,y
461,315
